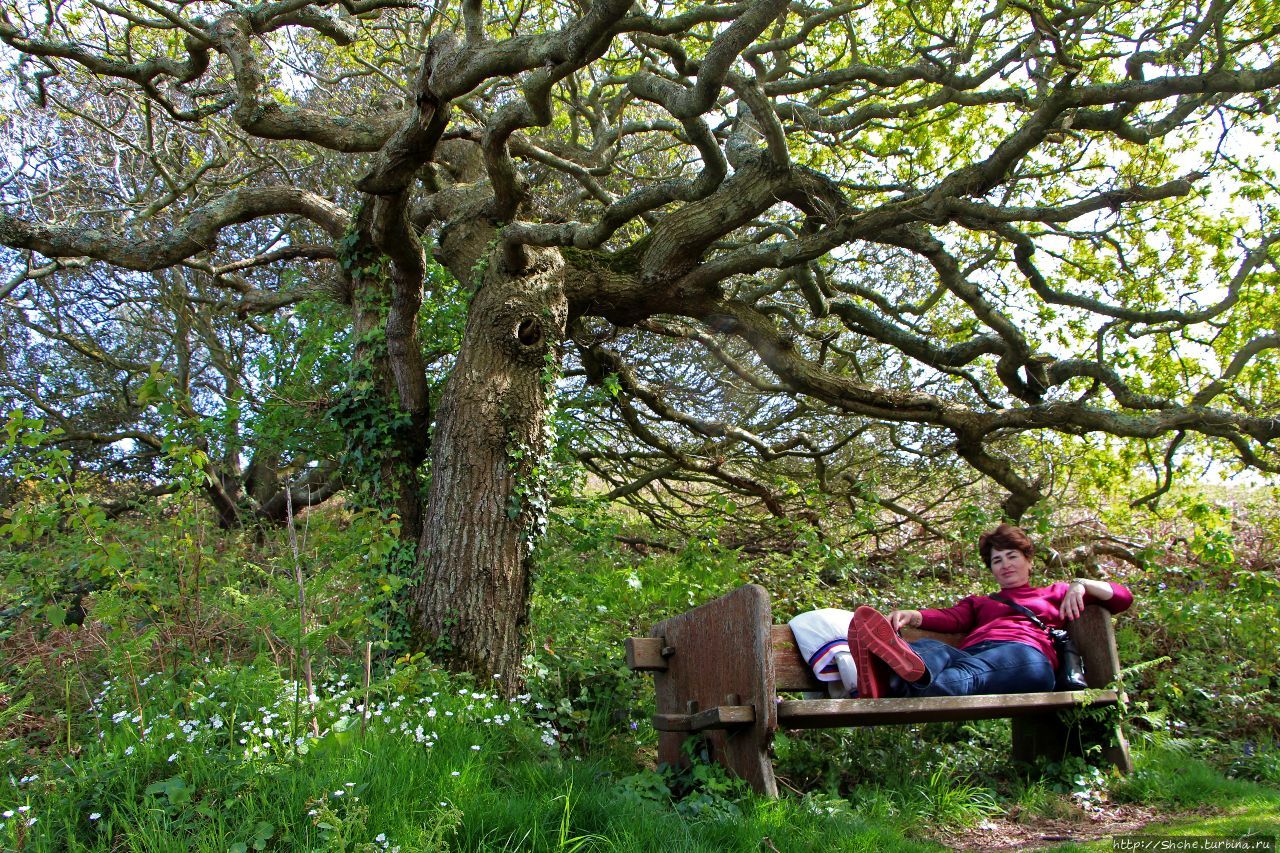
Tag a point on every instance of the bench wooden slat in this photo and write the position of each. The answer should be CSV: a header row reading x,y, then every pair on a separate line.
x,y
827,713
719,717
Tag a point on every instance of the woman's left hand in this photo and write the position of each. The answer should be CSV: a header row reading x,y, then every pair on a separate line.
x,y
1073,601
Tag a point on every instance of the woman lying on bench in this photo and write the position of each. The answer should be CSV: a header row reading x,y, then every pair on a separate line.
x,y
1003,650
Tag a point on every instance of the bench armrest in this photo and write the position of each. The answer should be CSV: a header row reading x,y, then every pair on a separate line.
x,y
1096,640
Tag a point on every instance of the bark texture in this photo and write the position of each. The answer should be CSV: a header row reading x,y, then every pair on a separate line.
x,y
486,504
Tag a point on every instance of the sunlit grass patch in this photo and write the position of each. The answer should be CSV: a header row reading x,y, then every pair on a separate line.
x,y
236,750
229,758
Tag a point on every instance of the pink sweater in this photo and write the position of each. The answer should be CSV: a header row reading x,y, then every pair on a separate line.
x,y
983,618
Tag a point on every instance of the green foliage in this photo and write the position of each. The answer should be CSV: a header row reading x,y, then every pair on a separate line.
x,y
1218,628
63,545
371,426
1257,761
376,428
304,357
698,788
589,592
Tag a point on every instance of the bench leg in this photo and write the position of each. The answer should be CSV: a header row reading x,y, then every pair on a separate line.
x,y
742,752
669,744
745,753
1039,736
1045,736
1116,750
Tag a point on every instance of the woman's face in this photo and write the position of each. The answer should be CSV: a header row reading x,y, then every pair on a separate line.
x,y
1011,568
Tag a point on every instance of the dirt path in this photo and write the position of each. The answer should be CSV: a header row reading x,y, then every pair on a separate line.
x,y
1037,833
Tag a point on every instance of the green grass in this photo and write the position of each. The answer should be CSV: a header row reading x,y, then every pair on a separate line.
x,y
223,761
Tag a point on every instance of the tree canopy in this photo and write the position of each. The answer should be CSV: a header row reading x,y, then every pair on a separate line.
x,y
747,250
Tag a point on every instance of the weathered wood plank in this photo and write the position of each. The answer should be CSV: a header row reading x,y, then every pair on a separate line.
x,y
644,654
790,672
720,717
830,713
1096,640
721,649
723,717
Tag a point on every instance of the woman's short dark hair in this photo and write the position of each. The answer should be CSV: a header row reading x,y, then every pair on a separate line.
x,y
1006,537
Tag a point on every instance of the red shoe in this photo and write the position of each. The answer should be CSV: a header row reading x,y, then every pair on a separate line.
x,y
877,636
873,675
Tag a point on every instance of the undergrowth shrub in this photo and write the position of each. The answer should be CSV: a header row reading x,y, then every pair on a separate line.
x,y
1257,761
590,592
698,788
1221,633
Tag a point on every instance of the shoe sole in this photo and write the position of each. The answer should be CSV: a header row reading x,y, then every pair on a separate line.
x,y
872,683
877,636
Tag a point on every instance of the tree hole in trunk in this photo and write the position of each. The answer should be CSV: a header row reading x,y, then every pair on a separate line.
x,y
529,332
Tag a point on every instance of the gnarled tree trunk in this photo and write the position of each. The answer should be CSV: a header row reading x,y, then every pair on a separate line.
x,y
487,502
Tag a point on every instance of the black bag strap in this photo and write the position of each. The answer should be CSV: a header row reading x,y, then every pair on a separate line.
x,y
1035,620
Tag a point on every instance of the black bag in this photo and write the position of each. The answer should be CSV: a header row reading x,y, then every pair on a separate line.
x,y
1070,672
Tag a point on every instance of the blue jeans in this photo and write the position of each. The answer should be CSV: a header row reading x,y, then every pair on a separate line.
x,y
991,667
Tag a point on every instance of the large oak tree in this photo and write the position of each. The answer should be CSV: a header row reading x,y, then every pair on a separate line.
x,y
780,239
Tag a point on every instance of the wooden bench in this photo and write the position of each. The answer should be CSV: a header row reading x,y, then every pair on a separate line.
x,y
723,668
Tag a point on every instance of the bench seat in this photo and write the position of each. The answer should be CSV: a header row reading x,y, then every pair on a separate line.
x,y
834,713
842,713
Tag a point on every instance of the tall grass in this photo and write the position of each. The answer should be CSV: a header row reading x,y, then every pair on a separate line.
x,y
217,763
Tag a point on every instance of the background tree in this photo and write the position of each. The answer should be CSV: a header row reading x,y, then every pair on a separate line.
x,y
772,240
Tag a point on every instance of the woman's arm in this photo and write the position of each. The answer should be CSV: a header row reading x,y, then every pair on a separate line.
x,y
960,618
1073,602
